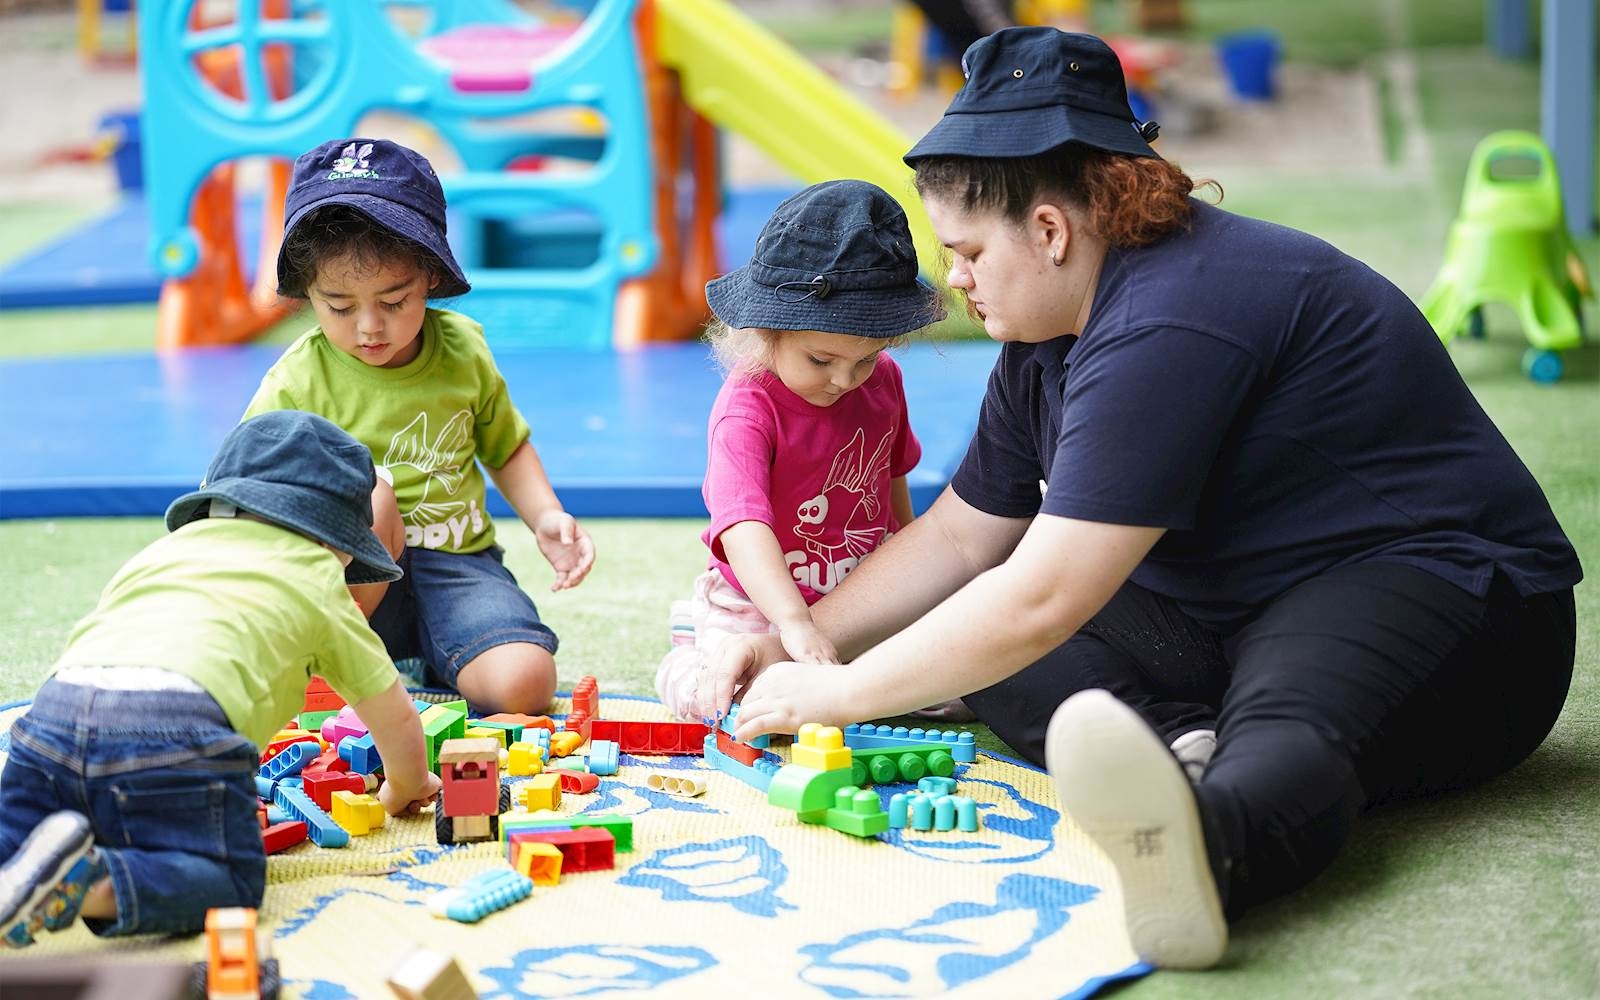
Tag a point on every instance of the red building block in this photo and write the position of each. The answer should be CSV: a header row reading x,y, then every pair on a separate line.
x,y
583,849
525,721
652,737
577,782
744,753
327,760
321,786
586,696
578,722
280,835
321,698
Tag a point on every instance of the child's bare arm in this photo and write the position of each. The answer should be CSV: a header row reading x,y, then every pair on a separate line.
x,y
900,502
757,560
566,546
397,733
391,532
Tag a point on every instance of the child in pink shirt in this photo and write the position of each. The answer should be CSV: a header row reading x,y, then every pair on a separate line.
x,y
809,442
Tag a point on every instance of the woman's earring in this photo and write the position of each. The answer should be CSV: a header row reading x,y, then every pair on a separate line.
x,y
1054,260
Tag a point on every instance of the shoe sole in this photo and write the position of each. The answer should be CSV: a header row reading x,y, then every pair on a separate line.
x,y
53,855
1122,787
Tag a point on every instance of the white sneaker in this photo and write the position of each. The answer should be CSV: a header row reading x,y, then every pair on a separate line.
x,y
1194,750
1121,785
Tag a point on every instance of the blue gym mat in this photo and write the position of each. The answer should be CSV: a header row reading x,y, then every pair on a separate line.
x,y
621,434
106,261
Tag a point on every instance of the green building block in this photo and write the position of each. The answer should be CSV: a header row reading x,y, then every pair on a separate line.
x,y
513,730
856,811
440,723
311,722
621,827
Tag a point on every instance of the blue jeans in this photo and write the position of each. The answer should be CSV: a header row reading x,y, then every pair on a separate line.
x,y
168,785
451,607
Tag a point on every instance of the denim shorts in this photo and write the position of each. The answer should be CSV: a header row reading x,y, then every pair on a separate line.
x,y
166,782
450,607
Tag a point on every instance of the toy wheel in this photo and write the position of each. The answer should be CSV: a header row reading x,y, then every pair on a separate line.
x,y
444,828
912,767
271,982
1542,366
858,773
505,798
1475,326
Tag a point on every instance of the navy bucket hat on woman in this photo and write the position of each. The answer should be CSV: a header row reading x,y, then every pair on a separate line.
x,y
1030,90
836,257
389,184
301,471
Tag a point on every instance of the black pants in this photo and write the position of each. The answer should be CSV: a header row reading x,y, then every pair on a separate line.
x,y
1372,683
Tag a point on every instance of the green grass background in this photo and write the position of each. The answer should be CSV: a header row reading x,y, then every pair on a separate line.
x,y
1490,893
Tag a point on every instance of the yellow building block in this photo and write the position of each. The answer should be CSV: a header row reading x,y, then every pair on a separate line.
x,y
359,815
820,747
524,759
565,744
543,792
487,733
539,861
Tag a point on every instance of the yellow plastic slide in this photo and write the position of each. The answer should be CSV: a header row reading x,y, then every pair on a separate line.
x,y
746,80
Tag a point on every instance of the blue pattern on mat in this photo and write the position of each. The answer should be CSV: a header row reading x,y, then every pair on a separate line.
x,y
743,872
586,971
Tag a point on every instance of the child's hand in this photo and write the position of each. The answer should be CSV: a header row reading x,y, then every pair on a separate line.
x,y
397,801
805,643
566,546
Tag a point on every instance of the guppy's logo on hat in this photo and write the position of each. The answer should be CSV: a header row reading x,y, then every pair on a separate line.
x,y
353,163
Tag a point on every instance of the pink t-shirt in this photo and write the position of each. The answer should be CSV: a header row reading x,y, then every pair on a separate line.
x,y
819,476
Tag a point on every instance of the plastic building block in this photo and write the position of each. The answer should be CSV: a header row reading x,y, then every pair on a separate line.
x,y
584,849
327,760
513,730
346,723
431,975
934,784
757,775
855,811
481,895
621,827
469,772
265,787
603,757
320,827
362,753
730,722
961,745
923,811
744,753
575,782
357,813
687,784
476,732
821,747
320,697
542,791
321,786
586,695
287,737
565,743
537,860
440,723
231,960
289,761
578,722
312,722
527,722
524,759
908,764
280,836
687,738
803,789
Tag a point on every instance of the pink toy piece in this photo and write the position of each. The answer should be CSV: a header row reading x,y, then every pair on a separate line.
x,y
346,723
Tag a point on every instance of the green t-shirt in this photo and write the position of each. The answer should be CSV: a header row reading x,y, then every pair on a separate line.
x,y
249,611
426,422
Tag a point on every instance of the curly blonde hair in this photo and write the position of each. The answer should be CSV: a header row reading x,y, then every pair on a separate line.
x,y
749,351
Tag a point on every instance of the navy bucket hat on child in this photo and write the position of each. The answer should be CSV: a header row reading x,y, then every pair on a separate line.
x,y
303,472
836,257
390,184
1030,90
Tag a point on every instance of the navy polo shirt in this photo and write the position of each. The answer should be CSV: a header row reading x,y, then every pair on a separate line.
x,y
1280,408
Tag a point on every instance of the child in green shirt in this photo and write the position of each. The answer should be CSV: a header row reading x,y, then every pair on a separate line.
x,y
129,795
364,242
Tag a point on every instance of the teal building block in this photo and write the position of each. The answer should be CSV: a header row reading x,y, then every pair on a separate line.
x,y
481,895
730,722
603,756
758,775
320,827
961,745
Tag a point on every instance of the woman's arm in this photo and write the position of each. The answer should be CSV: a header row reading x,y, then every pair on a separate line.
x,y
924,563
566,546
1061,573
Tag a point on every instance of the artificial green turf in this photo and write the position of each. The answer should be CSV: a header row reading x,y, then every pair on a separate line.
x,y
1489,893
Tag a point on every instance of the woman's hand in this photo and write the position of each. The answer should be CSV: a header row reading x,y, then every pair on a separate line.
x,y
566,546
740,659
788,695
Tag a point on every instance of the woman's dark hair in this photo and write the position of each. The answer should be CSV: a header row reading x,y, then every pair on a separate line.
x,y
335,231
1131,201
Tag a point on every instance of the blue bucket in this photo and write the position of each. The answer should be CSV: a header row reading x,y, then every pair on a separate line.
x,y
1249,58
126,156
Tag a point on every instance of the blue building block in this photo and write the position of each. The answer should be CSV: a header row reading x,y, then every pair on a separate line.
x,y
923,811
757,775
290,760
730,722
481,895
934,784
962,745
320,827
265,787
603,756
361,753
